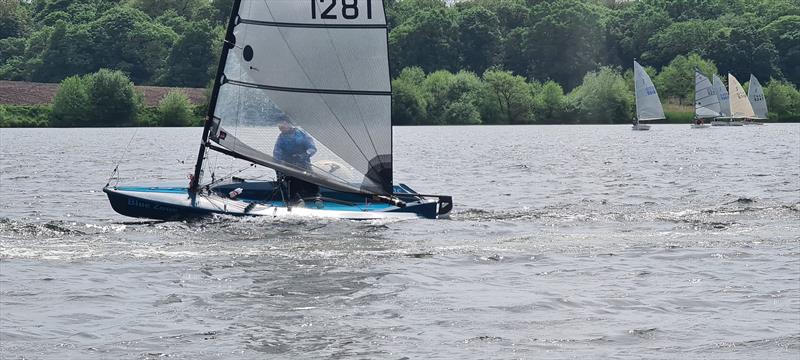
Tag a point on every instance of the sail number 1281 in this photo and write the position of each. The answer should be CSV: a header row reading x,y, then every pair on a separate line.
x,y
349,9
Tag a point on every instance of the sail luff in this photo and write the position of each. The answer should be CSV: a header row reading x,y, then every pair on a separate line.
x,y
212,105
757,99
648,105
740,105
705,98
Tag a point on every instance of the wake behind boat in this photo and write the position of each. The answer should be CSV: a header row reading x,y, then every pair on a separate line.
x,y
305,94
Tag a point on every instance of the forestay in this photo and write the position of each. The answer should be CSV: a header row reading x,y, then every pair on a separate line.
x,y
648,105
740,105
323,67
724,98
757,98
706,101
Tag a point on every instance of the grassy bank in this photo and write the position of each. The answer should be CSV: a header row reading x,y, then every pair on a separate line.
x,y
37,116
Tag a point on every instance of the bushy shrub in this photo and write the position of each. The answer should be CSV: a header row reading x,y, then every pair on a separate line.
x,y
603,97
112,99
175,110
71,103
24,115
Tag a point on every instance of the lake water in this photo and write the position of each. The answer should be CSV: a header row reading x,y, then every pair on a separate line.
x,y
566,242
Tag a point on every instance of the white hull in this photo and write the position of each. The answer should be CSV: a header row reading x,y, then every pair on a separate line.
x,y
701,126
640,127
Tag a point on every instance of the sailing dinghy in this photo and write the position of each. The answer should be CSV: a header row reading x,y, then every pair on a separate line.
x,y
741,108
724,118
706,101
758,101
318,72
648,105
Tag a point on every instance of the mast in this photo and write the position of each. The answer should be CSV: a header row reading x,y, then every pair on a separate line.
x,y
228,43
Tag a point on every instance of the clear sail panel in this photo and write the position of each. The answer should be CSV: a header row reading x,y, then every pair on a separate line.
x,y
322,80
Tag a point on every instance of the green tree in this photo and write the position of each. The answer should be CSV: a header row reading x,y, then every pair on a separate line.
x,y
14,19
409,101
549,103
784,101
677,79
155,8
743,50
785,35
505,98
223,10
175,110
680,38
427,40
112,99
565,40
631,28
129,41
479,38
191,57
68,52
71,104
603,97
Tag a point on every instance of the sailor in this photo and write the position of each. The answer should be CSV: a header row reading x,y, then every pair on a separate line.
x,y
295,147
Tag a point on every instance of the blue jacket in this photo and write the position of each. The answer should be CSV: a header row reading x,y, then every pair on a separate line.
x,y
295,147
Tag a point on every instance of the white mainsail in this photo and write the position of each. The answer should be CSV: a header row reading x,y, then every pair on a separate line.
x,y
321,66
648,105
706,101
740,105
724,99
757,98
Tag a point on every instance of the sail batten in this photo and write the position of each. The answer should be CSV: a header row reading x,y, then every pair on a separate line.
x,y
324,69
648,105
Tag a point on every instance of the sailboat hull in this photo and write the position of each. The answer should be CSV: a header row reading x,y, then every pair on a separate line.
x,y
640,127
727,123
163,203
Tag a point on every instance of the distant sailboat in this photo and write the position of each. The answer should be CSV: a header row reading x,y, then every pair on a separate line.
x,y
724,101
706,101
757,100
648,105
740,105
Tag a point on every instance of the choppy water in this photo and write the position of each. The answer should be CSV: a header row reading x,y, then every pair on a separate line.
x,y
566,242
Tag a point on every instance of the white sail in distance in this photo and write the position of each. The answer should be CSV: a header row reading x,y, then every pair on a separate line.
x,y
740,105
321,66
648,105
757,98
724,98
706,101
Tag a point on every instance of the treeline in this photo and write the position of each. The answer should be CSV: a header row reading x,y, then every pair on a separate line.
x,y
177,42
557,50
603,96
105,98
154,42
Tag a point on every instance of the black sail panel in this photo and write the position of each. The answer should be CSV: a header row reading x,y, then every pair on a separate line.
x,y
327,76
